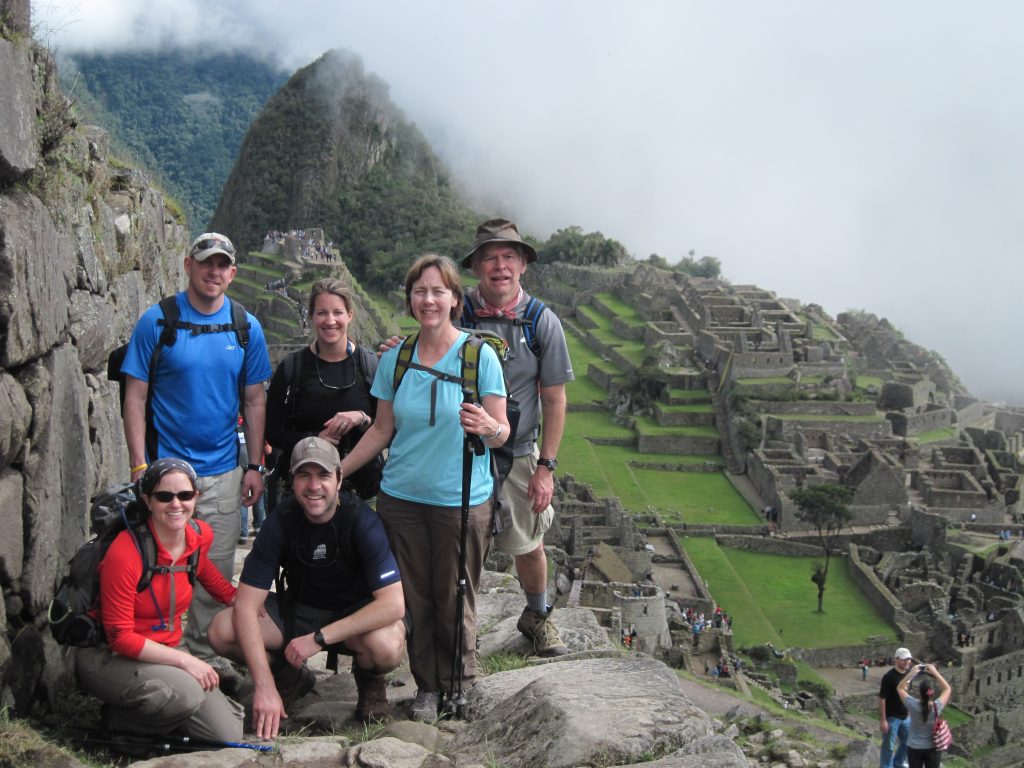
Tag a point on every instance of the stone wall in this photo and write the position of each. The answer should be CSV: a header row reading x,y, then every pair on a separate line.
x,y
84,248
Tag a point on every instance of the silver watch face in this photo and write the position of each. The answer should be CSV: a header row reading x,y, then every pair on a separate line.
x,y
551,464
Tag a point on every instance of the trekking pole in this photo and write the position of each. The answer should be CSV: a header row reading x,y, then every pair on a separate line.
x,y
163,743
472,444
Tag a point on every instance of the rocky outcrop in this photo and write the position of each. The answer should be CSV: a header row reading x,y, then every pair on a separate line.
x,y
85,245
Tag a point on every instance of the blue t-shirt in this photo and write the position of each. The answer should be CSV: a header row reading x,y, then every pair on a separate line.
x,y
195,394
425,462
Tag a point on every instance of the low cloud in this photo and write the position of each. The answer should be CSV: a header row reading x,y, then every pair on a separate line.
x,y
864,156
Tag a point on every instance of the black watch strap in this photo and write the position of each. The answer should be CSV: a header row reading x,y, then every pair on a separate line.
x,y
551,464
318,638
258,467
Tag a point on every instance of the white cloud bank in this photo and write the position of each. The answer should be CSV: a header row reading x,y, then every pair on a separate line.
x,y
860,154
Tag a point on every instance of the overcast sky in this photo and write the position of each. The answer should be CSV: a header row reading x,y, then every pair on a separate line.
x,y
862,154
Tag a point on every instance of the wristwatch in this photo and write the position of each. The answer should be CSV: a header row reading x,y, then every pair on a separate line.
x,y
258,467
318,638
551,464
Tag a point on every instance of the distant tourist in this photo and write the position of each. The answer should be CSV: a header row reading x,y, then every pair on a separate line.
x,y
924,711
894,722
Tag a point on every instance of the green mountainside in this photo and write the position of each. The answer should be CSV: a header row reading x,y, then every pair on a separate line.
x,y
331,150
180,113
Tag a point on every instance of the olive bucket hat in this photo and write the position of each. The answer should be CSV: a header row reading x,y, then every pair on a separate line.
x,y
499,231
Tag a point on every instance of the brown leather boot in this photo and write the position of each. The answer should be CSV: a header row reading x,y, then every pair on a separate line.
x,y
373,694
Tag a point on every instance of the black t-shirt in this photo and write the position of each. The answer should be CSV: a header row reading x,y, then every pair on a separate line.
x,y
324,574
316,403
887,690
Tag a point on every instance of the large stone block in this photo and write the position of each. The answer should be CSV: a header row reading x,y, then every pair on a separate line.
x,y
59,470
91,321
12,550
37,265
19,151
15,418
110,452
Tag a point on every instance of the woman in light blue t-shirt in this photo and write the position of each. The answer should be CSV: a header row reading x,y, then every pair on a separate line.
x,y
425,423
921,751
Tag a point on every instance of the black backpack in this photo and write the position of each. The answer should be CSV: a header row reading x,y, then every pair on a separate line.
x,y
366,481
172,323
288,582
113,510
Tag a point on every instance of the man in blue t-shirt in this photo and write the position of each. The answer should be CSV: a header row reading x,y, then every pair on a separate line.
x,y
343,592
195,406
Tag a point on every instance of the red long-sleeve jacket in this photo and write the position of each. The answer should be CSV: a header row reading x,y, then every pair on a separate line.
x,y
129,617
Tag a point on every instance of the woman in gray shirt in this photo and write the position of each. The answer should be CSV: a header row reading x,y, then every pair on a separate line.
x,y
921,752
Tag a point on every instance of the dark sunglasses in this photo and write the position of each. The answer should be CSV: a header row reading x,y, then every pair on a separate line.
x,y
224,245
168,496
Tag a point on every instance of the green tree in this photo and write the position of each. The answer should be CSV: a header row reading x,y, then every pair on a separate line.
x,y
573,246
705,266
826,509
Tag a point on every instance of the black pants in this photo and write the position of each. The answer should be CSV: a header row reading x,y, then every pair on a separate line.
x,y
923,758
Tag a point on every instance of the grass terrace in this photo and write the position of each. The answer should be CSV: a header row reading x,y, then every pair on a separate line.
x,y
261,269
648,426
690,394
937,435
625,312
772,599
830,417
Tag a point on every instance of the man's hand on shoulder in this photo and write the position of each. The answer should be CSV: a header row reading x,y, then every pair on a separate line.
x,y
389,343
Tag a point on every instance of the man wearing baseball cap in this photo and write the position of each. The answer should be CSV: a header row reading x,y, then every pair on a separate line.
x,y
338,589
537,368
194,362
894,720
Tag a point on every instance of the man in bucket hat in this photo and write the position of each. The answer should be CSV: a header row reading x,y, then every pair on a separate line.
x,y
894,720
537,369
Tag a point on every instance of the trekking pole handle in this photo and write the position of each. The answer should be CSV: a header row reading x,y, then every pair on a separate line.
x,y
476,441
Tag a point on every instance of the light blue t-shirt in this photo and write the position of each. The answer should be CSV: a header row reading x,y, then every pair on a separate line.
x,y
425,462
195,395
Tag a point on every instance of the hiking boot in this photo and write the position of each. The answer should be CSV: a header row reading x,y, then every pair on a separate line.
x,y
424,708
540,630
373,694
292,684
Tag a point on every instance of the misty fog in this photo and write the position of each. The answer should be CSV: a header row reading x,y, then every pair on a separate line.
x,y
858,155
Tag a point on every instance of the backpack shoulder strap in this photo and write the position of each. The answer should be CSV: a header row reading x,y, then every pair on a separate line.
x,y
470,357
404,359
531,314
363,363
468,312
146,545
168,335
240,323
193,559
292,369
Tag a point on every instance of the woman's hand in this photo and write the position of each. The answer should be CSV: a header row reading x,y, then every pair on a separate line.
x,y
476,421
205,674
340,424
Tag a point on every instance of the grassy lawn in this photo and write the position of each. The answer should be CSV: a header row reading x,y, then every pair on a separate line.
x,y
936,435
863,382
277,258
620,308
773,600
706,498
